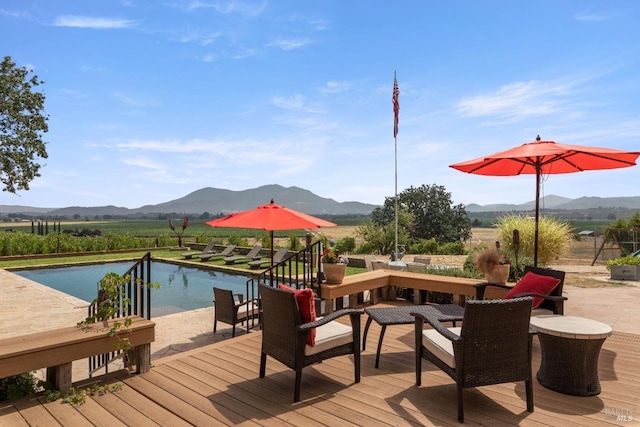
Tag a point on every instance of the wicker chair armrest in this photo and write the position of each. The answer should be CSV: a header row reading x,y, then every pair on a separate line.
x,y
544,296
435,324
240,298
328,318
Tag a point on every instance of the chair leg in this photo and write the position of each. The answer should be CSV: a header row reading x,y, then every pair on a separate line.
x,y
418,368
356,362
233,331
529,392
263,364
215,323
296,390
460,408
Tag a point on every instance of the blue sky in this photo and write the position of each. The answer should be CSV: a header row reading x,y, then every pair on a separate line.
x,y
151,100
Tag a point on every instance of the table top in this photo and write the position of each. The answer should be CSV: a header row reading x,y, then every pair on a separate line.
x,y
401,315
570,327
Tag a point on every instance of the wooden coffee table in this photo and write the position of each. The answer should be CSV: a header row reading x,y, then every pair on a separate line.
x,y
570,349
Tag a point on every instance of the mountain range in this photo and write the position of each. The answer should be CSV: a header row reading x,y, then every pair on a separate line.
x,y
216,201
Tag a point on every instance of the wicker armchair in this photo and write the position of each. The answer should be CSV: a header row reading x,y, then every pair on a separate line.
x,y
232,309
552,303
493,346
284,336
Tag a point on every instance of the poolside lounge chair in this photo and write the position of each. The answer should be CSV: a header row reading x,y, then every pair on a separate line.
x,y
278,257
252,255
223,253
207,250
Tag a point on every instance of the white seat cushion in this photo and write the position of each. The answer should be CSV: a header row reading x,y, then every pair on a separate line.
x,y
333,334
441,347
541,312
251,310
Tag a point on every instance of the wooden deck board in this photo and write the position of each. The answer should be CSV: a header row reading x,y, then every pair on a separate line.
x,y
219,385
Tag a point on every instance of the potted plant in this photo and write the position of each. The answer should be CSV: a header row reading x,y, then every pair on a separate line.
x,y
624,268
494,265
334,266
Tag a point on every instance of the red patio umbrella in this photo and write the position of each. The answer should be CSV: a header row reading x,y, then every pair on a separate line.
x,y
547,157
271,217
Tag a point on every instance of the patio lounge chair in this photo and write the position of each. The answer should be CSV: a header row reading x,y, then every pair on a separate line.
x,y
493,346
207,250
223,253
252,255
285,336
546,292
278,257
232,309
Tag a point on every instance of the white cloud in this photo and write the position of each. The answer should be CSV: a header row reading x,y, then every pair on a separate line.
x,y
201,38
89,22
289,44
227,7
589,16
334,87
295,102
128,100
519,99
14,13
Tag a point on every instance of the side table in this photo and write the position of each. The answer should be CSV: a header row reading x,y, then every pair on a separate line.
x,y
401,315
570,348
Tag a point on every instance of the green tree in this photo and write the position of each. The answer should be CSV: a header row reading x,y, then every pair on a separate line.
x,y
434,215
22,123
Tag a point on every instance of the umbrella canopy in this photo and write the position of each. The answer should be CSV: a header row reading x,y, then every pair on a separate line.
x,y
544,158
271,217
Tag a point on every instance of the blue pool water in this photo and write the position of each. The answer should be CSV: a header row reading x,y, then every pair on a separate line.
x,y
181,288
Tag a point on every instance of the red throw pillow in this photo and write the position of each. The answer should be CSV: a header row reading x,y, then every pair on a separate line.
x,y
307,307
535,283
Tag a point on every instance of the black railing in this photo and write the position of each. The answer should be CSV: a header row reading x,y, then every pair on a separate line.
x,y
298,271
135,301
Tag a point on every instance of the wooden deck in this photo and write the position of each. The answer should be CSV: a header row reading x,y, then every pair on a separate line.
x,y
219,385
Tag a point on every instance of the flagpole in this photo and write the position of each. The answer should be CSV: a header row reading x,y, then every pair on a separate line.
x,y
396,110
395,257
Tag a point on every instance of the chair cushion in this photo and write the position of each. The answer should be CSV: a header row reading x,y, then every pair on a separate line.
x,y
307,307
440,346
330,335
535,283
248,310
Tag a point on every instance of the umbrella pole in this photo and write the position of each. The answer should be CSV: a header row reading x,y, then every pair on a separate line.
x,y
535,237
271,248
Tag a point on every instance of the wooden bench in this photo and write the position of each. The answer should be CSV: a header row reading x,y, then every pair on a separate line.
x,y
56,349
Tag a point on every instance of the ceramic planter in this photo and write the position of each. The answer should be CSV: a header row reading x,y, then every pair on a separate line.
x,y
334,273
499,274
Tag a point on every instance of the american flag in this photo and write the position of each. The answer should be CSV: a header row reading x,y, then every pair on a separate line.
x,y
396,105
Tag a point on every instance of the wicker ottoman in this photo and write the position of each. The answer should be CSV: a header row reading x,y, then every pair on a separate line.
x,y
570,348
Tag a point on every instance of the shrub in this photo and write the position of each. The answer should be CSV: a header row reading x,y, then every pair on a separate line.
x,y
294,244
17,386
367,248
625,260
346,245
452,248
237,240
554,236
424,246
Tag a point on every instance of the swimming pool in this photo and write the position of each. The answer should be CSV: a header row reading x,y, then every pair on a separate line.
x,y
182,288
